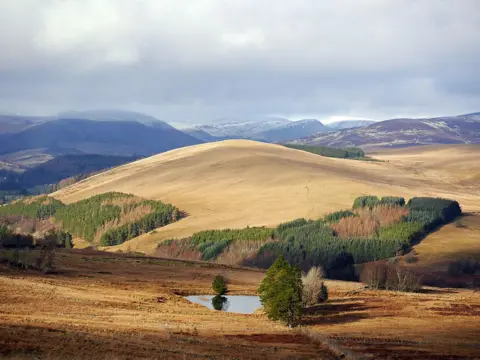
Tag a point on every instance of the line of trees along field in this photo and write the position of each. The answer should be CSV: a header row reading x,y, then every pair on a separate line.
x,y
342,153
375,228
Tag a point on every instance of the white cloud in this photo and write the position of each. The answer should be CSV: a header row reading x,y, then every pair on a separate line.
x,y
200,59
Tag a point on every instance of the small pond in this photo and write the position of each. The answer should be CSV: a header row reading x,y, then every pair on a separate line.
x,y
242,304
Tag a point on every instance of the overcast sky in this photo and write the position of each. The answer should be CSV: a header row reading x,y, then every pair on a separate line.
x,y
197,60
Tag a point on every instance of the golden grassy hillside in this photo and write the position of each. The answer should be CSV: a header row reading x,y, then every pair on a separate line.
x,y
238,183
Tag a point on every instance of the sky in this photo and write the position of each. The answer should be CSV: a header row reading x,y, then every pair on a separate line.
x,y
195,61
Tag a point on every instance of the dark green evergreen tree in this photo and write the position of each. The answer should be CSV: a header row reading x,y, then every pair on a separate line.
x,y
281,292
219,285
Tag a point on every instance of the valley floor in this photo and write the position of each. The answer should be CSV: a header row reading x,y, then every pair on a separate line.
x,y
114,306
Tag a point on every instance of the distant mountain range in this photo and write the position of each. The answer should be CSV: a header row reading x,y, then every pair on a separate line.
x,y
268,129
292,130
26,142
348,124
124,138
462,129
241,129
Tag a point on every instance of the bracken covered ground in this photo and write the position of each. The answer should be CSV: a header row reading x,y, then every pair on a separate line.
x,y
114,306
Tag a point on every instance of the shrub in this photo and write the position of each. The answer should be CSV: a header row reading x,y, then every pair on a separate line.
x,y
219,285
374,275
312,286
46,260
389,277
400,279
281,292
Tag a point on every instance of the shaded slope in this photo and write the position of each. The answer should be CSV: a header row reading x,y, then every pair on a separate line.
x,y
294,130
65,166
123,138
238,183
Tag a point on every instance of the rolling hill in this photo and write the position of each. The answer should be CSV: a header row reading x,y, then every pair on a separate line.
x,y
238,183
462,129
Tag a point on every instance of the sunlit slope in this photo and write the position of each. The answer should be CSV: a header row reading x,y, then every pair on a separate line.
x,y
450,164
238,183
459,240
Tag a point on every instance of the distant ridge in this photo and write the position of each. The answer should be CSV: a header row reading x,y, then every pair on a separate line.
x,y
123,138
462,129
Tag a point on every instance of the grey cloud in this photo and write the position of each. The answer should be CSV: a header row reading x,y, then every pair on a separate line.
x,y
197,60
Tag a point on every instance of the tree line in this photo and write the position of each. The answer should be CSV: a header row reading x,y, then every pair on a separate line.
x,y
343,153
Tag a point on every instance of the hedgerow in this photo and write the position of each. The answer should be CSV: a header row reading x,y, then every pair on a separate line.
x,y
344,153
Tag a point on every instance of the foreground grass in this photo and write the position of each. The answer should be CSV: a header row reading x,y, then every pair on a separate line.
x,y
114,306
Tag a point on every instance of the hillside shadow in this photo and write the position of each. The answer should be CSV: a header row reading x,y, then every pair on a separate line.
x,y
334,319
335,313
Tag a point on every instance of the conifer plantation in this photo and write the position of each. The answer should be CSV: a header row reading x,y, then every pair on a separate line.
x,y
106,219
375,228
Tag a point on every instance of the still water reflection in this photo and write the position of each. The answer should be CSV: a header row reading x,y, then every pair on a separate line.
x,y
243,304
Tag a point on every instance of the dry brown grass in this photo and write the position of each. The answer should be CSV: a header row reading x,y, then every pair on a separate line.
x,y
234,184
113,306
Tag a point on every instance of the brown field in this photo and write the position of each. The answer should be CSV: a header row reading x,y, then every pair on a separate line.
x,y
238,183
112,306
